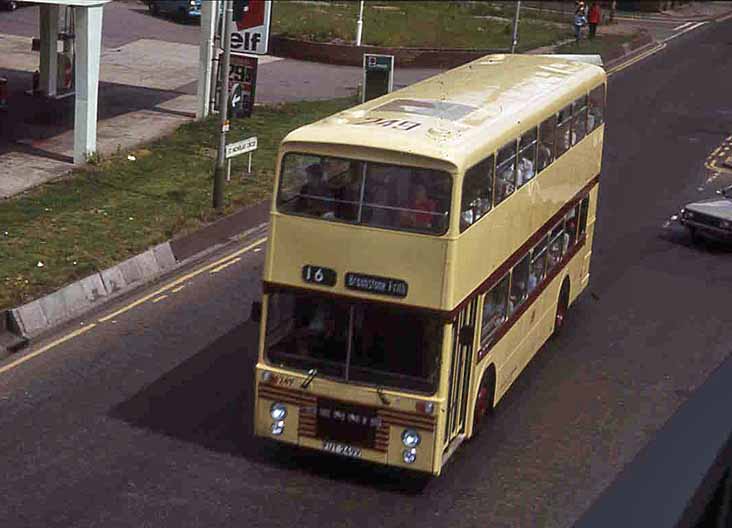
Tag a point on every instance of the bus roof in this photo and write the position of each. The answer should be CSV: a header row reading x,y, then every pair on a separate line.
x,y
444,117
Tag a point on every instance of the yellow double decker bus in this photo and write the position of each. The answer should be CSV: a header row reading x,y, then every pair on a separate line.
x,y
423,246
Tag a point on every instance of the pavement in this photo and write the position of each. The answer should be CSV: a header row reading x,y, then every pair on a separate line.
x,y
144,418
148,85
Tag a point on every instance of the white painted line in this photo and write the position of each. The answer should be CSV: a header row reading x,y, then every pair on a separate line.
x,y
179,288
158,299
690,28
682,26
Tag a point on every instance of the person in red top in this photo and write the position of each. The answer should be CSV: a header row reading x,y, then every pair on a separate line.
x,y
593,18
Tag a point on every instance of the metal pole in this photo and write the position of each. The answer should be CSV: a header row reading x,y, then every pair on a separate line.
x,y
218,188
359,25
514,40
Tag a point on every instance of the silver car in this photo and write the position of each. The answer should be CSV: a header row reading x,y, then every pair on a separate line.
x,y
710,218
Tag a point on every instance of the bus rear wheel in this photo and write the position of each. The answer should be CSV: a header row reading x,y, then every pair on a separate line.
x,y
483,401
562,305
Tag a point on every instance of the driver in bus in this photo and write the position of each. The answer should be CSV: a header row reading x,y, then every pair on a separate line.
x,y
314,188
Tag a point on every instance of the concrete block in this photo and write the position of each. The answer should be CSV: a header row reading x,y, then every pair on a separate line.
x,y
113,280
130,270
164,256
30,318
148,265
93,287
55,305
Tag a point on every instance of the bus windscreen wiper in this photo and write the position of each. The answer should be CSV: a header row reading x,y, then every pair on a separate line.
x,y
311,376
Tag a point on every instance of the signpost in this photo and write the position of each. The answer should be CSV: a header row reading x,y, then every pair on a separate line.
x,y
378,76
240,147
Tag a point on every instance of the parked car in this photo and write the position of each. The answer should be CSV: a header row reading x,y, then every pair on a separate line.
x,y
180,9
711,218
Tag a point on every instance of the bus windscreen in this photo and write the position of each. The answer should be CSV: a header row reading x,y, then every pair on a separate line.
x,y
365,193
368,343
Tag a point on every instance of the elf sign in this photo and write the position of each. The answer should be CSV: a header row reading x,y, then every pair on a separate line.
x,y
252,20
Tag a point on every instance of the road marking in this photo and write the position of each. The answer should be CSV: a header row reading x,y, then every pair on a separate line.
x,y
724,18
690,28
158,299
225,265
47,347
179,288
682,26
181,280
635,59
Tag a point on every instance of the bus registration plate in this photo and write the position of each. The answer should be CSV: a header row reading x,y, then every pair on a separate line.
x,y
342,449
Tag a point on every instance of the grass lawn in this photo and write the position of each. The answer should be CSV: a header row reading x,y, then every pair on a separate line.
x,y
434,24
106,213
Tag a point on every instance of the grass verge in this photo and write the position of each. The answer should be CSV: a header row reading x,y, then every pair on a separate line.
x,y
439,24
602,45
105,213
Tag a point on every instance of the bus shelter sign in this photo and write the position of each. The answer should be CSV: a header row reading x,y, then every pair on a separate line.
x,y
251,31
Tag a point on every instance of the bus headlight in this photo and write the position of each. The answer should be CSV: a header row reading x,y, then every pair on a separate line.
x,y
278,411
410,438
278,428
409,456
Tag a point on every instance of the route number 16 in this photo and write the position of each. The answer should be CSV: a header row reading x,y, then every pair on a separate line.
x,y
319,275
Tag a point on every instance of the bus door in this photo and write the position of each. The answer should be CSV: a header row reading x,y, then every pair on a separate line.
x,y
463,338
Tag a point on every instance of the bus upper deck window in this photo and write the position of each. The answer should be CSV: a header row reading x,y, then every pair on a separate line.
x,y
579,124
564,130
477,196
527,157
546,142
366,193
597,108
506,172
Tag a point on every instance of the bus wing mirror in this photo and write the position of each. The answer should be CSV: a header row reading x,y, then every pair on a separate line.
x,y
466,335
256,314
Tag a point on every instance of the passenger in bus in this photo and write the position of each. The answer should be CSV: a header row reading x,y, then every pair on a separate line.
x,y
310,193
525,170
555,254
420,211
545,156
380,216
494,312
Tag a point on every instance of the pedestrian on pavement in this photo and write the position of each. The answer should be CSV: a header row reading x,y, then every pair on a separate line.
x,y
593,18
579,21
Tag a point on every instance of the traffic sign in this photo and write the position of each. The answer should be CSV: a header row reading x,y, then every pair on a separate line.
x,y
251,34
236,100
241,147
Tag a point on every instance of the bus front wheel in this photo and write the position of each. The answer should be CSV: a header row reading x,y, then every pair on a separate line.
x,y
484,401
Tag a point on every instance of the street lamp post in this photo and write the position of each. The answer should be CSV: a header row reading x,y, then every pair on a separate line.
x,y
359,24
218,187
514,39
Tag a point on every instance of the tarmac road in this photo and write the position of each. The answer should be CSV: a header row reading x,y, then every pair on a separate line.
x,y
145,419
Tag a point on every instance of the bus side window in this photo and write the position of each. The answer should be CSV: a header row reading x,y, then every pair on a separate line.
x,y
583,216
519,284
570,229
527,157
579,123
506,171
537,272
564,131
494,308
556,243
546,142
596,114
477,196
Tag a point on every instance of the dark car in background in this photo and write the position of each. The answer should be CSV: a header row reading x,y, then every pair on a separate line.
x,y
179,9
711,218
8,5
